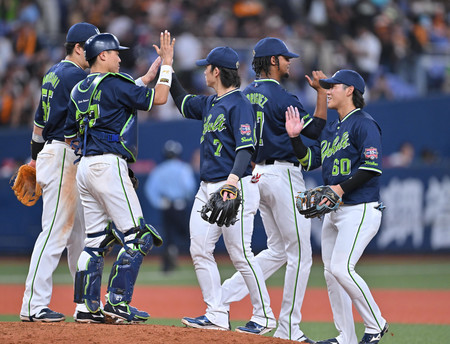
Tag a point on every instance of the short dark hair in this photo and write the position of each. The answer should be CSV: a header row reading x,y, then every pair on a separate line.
x,y
92,61
357,97
228,77
71,46
262,64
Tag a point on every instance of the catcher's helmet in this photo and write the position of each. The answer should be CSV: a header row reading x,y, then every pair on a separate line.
x,y
101,42
172,149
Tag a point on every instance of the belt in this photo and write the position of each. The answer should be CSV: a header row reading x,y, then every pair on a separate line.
x,y
272,161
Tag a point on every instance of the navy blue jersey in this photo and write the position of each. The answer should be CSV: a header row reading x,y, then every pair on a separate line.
x,y
113,105
228,125
270,102
343,148
57,83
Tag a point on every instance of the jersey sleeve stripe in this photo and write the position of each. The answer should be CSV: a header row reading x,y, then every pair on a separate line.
x,y
362,167
243,147
182,104
39,125
308,121
306,161
151,100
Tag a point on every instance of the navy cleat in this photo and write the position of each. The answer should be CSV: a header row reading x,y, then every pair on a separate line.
x,y
90,318
374,338
253,328
44,315
328,341
202,322
306,340
124,313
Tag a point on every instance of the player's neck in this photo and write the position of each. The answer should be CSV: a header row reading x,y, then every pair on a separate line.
x,y
73,58
344,110
221,90
271,75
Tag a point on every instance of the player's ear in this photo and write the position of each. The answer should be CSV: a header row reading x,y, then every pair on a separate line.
x,y
349,90
79,49
273,60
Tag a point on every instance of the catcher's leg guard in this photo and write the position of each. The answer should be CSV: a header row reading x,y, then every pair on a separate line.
x,y
88,281
126,268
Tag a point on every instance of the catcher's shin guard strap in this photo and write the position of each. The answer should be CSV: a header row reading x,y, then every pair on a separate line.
x,y
88,283
106,244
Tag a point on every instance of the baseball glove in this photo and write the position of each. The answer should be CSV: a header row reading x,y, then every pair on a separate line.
x,y
23,182
309,200
222,212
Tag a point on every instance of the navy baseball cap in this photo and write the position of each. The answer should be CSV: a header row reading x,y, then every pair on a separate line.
x,y
80,32
347,77
221,57
271,46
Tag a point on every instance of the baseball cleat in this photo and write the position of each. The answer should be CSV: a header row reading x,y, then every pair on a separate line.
x,y
328,341
44,315
123,313
374,338
202,322
306,340
91,318
253,328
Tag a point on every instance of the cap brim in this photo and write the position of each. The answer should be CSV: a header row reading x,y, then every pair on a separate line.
x,y
291,55
202,62
326,83
123,48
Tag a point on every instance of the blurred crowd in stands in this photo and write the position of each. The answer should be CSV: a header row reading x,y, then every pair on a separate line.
x,y
401,47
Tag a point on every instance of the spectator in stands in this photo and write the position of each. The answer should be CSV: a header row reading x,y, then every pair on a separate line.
x,y
403,158
365,49
412,33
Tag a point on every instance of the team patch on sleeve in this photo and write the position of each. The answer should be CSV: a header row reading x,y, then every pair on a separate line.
x,y
245,129
371,153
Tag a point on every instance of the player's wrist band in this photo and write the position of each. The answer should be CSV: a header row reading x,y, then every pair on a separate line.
x,y
139,82
36,147
165,75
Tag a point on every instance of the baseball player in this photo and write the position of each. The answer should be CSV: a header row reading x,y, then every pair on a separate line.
x,y
349,151
227,144
278,177
62,220
103,110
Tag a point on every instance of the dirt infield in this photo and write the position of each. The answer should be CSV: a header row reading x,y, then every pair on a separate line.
x,y
398,306
39,333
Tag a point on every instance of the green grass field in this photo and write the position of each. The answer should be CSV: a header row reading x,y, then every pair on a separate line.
x,y
379,272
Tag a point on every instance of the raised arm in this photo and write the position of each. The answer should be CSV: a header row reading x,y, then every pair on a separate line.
x,y
151,73
321,102
165,75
